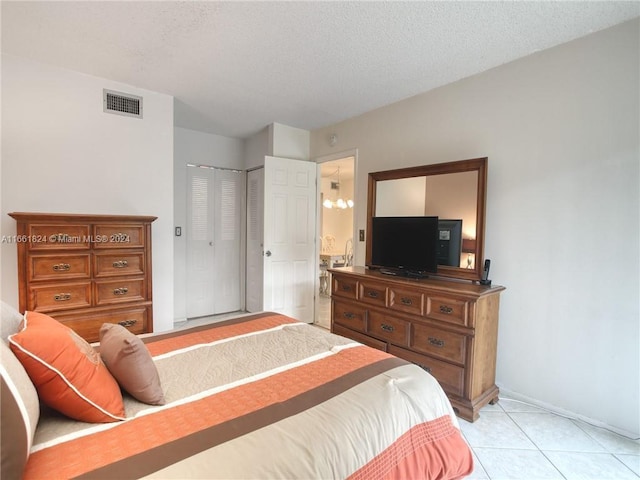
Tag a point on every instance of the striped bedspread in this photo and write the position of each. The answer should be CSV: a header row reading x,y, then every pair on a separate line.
x,y
264,397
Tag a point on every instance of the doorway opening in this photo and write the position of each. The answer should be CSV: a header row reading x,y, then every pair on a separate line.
x,y
335,226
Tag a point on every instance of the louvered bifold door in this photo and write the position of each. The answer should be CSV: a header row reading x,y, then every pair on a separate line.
x,y
229,205
200,246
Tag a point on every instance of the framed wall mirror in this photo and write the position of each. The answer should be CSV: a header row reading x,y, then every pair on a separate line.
x,y
455,192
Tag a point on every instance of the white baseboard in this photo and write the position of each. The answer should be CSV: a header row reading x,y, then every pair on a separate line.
x,y
508,394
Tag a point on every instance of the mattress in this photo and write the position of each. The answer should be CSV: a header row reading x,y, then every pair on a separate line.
x,y
265,396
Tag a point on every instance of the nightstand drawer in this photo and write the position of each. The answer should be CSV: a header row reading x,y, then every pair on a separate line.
x,y
373,294
439,343
62,296
448,309
388,328
350,315
344,287
121,290
58,267
450,377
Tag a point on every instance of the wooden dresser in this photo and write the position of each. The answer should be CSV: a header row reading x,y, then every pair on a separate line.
x,y
86,270
449,328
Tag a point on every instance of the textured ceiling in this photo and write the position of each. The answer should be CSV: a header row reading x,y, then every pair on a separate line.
x,y
235,67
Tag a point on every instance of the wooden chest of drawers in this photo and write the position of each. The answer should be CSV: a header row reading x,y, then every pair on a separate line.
x,y
86,270
449,328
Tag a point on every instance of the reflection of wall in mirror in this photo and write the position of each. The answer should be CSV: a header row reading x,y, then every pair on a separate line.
x,y
403,197
454,196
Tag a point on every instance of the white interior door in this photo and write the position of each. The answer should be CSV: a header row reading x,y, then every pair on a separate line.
x,y
200,253
255,237
289,237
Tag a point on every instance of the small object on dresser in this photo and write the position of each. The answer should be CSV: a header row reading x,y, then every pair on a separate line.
x,y
485,273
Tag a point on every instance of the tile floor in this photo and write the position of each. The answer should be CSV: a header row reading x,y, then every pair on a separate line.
x,y
512,440
515,441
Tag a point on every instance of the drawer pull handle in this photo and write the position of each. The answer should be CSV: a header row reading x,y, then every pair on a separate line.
x,y
62,267
446,309
386,328
436,342
406,301
346,288
426,369
128,323
120,264
349,315
372,294
62,297
120,291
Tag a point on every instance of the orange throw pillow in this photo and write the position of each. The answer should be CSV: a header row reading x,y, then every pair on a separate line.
x,y
66,371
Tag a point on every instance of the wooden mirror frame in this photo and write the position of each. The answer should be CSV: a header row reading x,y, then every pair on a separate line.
x,y
477,165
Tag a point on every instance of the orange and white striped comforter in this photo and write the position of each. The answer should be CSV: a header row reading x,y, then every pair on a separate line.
x,y
264,396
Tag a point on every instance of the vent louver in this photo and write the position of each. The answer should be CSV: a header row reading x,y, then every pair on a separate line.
x,y
121,103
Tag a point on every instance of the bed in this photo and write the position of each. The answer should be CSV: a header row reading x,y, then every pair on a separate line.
x,y
257,396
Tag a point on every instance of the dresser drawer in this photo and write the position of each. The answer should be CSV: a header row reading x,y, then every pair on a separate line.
x,y
119,236
448,309
87,325
58,267
359,337
121,290
438,343
350,315
58,236
388,328
109,264
344,287
408,301
62,296
373,294
450,377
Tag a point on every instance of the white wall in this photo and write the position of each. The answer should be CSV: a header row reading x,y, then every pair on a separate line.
x,y
61,153
561,131
196,148
290,142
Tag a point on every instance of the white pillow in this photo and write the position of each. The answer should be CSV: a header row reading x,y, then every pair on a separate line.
x,y
10,320
19,411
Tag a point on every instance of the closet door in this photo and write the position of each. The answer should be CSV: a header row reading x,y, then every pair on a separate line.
x,y
255,229
216,202
229,205
200,253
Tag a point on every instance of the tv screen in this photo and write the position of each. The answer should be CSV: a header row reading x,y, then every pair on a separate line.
x,y
449,242
404,245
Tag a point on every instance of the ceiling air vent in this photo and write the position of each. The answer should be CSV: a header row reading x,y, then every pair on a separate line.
x,y
122,103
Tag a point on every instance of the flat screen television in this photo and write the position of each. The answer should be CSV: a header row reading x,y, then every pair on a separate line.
x,y
449,242
404,245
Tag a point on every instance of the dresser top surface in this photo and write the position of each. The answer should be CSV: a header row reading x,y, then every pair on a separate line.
x,y
436,283
78,217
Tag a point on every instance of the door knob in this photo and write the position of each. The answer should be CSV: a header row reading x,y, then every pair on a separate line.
x,y
268,253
